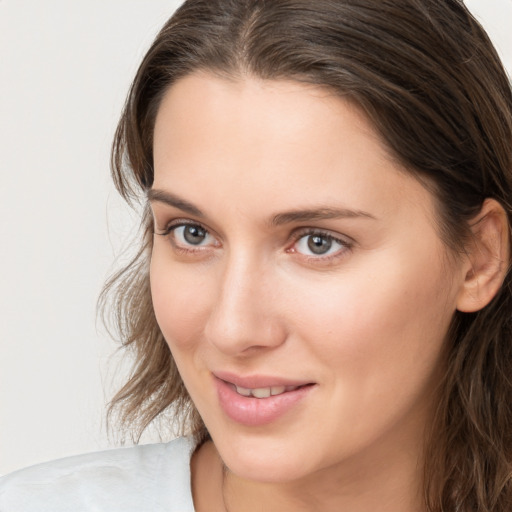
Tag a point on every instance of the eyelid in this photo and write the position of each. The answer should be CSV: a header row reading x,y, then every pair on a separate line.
x,y
341,238
174,224
345,241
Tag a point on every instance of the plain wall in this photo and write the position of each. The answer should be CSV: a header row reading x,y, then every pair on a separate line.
x,y
65,67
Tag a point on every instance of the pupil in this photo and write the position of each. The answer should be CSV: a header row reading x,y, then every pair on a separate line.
x,y
319,244
194,234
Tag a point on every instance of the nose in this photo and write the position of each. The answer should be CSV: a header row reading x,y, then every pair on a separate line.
x,y
245,316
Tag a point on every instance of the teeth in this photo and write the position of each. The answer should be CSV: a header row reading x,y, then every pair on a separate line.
x,y
261,392
264,392
243,391
277,390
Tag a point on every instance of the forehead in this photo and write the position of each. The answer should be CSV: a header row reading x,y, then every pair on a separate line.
x,y
267,108
279,111
286,141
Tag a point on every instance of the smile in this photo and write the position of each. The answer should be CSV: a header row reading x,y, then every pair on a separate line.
x,y
257,401
264,392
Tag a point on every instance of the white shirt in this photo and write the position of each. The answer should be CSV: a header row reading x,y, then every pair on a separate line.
x,y
147,478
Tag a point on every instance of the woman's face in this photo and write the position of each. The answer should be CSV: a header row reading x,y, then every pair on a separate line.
x,y
294,258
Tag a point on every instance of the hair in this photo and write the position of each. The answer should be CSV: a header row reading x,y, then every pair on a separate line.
x,y
430,81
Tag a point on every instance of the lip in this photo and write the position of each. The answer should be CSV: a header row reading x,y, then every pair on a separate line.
x,y
258,381
254,412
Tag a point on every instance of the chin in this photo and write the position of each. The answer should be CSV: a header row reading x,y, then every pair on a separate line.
x,y
263,459
264,471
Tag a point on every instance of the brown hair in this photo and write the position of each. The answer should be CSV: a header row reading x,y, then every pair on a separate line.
x,y
427,76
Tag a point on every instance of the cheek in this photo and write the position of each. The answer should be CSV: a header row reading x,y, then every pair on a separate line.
x,y
376,329
376,341
180,300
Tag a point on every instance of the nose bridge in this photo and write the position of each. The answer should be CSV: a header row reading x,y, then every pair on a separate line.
x,y
244,314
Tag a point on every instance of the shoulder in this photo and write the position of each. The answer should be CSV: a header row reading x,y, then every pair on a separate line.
x,y
153,477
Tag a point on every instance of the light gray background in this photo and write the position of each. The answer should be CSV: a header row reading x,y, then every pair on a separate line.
x,y
65,68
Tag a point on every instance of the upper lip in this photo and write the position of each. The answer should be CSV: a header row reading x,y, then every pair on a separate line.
x,y
258,381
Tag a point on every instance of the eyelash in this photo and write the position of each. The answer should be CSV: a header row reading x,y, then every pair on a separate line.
x,y
345,243
179,223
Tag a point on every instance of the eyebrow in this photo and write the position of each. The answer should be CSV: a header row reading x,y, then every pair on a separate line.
x,y
306,215
160,196
316,214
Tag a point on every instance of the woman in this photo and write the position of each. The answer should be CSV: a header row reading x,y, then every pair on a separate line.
x,y
322,296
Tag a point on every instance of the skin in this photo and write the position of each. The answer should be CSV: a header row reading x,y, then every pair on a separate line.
x,y
364,322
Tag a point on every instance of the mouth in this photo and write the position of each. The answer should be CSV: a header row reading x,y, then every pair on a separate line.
x,y
258,401
265,392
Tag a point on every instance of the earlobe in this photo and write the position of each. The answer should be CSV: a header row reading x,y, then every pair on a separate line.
x,y
487,258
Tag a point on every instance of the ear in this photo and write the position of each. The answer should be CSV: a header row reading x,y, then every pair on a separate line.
x,y
487,258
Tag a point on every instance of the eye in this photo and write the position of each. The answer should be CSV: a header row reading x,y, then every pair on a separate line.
x,y
191,234
319,244
188,236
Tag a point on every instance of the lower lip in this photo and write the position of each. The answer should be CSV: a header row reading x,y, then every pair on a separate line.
x,y
254,412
